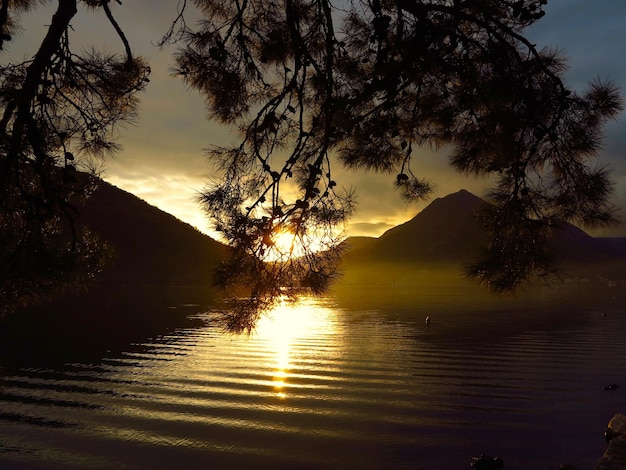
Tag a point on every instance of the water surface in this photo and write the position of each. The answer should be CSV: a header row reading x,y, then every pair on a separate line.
x,y
334,384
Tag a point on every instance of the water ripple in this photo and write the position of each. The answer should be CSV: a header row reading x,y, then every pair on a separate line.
x,y
377,391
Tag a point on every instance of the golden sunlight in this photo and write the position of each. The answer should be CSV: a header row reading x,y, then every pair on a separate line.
x,y
287,329
287,245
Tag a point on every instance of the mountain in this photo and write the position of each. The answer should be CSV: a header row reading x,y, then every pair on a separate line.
x,y
445,231
444,236
150,247
160,273
617,243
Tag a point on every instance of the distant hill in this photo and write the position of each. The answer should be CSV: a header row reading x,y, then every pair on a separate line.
x,y
151,247
445,231
617,243
160,272
358,244
438,241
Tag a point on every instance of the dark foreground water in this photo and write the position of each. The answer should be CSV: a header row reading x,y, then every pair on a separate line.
x,y
335,384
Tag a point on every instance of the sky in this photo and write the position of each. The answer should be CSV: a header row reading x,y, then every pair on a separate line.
x,y
164,162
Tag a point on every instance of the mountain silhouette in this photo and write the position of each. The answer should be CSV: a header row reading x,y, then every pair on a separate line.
x,y
160,272
150,247
446,235
445,231
616,243
161,269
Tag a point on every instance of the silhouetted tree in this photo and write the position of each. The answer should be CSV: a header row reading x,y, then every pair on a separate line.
x,y
367,83
58,109
309,83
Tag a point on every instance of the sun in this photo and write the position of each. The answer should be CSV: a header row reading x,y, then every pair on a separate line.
x,y
287,245
286,242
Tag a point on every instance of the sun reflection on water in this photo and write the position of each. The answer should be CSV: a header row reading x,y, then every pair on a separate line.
x,y
287,329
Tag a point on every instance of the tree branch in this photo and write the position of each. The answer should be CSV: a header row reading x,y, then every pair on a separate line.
x,y
4,16
60,22
120,33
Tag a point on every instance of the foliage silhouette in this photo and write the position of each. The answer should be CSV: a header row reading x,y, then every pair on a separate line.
x,y
366,84
58,110
309,84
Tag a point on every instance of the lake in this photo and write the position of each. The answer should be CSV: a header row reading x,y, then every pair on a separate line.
x,y
337,383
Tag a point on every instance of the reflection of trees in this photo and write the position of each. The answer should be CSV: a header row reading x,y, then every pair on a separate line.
x,y
371,82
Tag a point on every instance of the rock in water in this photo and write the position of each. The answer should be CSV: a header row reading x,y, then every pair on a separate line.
x,y
486,462
618,424
616,427
614,457
610,387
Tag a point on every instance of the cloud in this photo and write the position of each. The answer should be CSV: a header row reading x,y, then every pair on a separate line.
x,y
369,229
176,194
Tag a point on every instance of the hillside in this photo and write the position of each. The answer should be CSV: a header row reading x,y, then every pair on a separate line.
x,y
150,247
159,274
445,231
617,243
437,242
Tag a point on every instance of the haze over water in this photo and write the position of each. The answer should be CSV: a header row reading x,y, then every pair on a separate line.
x,y
335,383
